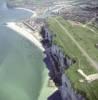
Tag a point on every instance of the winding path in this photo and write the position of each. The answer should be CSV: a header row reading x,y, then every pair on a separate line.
x,y
90,60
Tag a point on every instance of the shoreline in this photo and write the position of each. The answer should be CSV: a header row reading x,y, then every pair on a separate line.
x,y
26,9
25,33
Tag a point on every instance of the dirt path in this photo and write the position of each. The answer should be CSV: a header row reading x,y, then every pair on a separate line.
x,y
90,60
82,25
92,30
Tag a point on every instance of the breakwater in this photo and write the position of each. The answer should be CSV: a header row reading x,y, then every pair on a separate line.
x,y
57,62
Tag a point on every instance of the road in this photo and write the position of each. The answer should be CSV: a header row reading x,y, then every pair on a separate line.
x,y
89,59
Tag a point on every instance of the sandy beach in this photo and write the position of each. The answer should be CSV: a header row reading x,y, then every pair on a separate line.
x,y
25,33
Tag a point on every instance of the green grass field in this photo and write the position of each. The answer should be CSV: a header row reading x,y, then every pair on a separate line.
x,y
87,40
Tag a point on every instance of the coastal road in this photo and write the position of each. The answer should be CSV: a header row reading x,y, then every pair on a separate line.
x,y
89,59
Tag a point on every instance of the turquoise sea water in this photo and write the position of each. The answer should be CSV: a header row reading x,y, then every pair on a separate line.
x,y
21,62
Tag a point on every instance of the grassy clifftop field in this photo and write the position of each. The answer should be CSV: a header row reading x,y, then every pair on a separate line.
x,y
78,41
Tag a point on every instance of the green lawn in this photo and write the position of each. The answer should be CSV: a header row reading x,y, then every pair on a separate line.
x,y
87,40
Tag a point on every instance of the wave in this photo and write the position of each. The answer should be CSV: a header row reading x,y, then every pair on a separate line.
x,y
29,10
4,5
